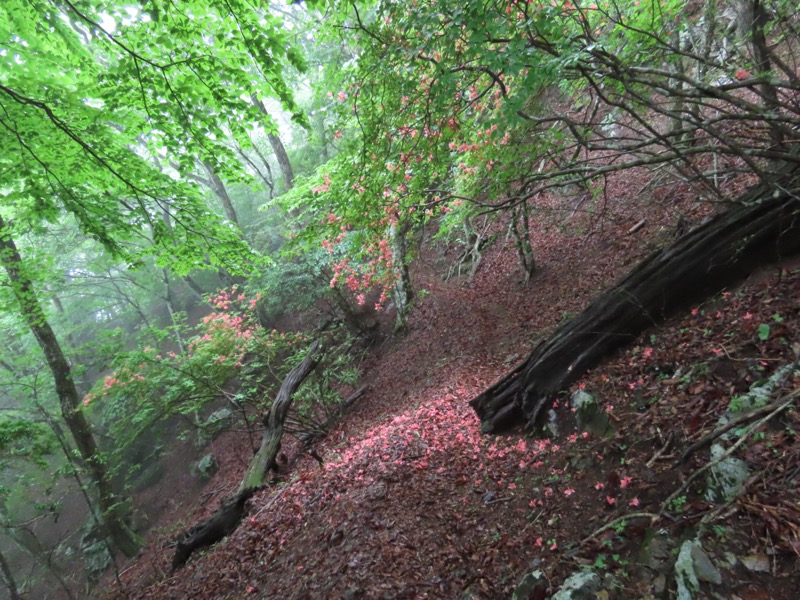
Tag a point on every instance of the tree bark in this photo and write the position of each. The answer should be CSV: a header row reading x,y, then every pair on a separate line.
x,y
277,146
763,227
274,421
402,292
225,520
31,310
222,523
218,187
283,160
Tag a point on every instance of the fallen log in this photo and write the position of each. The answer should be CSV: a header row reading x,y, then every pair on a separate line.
x,y
763,227
227,518
222,523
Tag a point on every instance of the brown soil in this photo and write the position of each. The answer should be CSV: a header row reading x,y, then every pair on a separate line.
x,y
414,502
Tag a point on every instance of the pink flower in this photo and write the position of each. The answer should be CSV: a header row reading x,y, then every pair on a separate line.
x,y
342,96
569,492
599,485
625,482
611,501
634,502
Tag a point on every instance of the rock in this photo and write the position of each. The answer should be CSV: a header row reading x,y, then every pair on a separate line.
x,y
580,586
218,421
659,585
726,478
528,585
703,567
552,423
656,551
685,576
731,560
206,467
591,416
95,554
756,562
149,476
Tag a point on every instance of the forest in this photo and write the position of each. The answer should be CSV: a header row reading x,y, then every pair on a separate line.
x,y
380,299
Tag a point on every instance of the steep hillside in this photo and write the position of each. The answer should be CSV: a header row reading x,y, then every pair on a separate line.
x,y
414,502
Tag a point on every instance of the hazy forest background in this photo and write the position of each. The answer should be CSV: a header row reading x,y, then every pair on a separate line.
x,y
198,197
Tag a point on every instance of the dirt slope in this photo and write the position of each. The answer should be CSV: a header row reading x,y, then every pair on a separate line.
x,y
413,502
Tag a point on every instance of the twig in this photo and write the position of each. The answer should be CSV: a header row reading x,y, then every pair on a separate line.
x,y
496,500
636,227
749,358
730,450
717,512
710,437
660,452
610,525
534,521
271,501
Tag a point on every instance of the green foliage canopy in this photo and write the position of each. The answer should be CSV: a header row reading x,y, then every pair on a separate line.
x,y
88,89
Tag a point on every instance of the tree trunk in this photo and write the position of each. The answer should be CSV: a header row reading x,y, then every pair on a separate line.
x,y
31,311
218,187
283,160
403,292
274,421
222,523
763,227
277,146
752,19
226,519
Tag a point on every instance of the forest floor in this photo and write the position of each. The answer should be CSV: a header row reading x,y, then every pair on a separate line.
x,y
414,502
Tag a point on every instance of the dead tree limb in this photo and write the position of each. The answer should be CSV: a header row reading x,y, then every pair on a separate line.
x,y
225,520
275,418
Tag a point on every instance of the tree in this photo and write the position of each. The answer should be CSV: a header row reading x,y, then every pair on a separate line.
x,y
31,311
507,100
764,228
83,84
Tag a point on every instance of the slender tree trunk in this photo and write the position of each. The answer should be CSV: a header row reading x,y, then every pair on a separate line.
x,y
520,228
268,179
403,292
762,228
194,287
277,146
274,421
283,159
226,519
319,122
752,19
31,311
218,187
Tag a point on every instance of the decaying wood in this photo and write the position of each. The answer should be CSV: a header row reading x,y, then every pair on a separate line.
x,y
227,518
763,227
222,523
275,418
